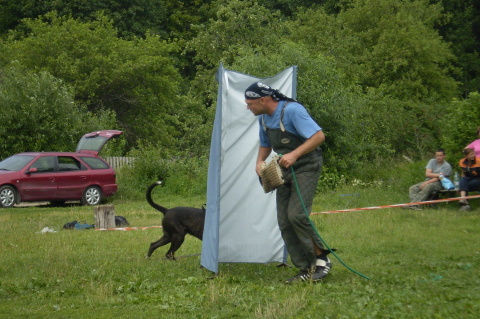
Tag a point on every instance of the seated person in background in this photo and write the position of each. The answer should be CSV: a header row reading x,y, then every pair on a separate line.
x,y
435,167
475,145
470,180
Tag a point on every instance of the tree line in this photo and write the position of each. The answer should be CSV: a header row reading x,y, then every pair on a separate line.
x,y
384,78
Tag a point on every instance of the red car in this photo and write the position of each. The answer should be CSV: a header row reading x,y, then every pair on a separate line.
x,y
59,176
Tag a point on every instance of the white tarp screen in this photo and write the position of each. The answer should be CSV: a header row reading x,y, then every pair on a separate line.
x,y
241,223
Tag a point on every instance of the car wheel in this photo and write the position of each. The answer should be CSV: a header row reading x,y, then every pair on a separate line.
x,y
92,196
8,196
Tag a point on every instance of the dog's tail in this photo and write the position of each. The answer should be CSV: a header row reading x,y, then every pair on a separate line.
x,y
150,200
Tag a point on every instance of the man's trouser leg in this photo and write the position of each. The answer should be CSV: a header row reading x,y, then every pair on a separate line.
x,y
413,191
423,194
297,231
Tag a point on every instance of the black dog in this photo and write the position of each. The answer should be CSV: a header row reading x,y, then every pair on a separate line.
x,y
176,223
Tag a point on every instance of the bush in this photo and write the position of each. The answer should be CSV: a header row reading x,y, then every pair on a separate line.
x,y
398,174
459,126
181,174
38,113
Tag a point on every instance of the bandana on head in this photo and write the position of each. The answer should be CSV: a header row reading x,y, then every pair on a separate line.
x,y
258,90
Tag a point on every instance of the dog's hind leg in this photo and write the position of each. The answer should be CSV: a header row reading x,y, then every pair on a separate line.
x,y
177,241
159,243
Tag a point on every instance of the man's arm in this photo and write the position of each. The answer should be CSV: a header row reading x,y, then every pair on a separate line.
x,y
433,178
429,174
309,145
263,153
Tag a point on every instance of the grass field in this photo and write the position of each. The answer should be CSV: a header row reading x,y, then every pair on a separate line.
x,y
422,264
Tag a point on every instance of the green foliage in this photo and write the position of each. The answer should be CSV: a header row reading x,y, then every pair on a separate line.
x,y
399,71
330,179
39,114
290,7
180,174
238,29
464,40
237,26
390,126
132,18
396,174
375,74
136,79
194,127
459,126
390,45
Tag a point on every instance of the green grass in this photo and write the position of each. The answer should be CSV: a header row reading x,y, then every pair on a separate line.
x,y
422,264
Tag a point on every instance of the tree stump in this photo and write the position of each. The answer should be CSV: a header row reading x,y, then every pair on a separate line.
x,y
104,216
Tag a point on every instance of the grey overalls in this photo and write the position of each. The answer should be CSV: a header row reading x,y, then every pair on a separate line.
x,y
294,224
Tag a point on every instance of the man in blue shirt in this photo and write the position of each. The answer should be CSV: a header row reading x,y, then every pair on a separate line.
x,y
287,128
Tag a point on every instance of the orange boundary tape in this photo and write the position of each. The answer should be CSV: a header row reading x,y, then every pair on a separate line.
x,y
396,205
332,211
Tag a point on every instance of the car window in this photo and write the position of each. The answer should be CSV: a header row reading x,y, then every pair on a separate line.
x,y
93,143
15,162
68,164
44,164
95,162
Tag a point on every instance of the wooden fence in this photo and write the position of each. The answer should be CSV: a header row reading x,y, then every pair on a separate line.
x,y
119,161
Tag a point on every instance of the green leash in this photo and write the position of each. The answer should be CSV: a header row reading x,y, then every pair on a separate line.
x,y
313,226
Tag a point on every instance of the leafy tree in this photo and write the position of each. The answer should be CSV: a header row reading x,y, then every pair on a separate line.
x,y
130,17
376,74
168,19
390,45
238,27
39,114
398,52
288,7
461,29
459,125
136,79
391,50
